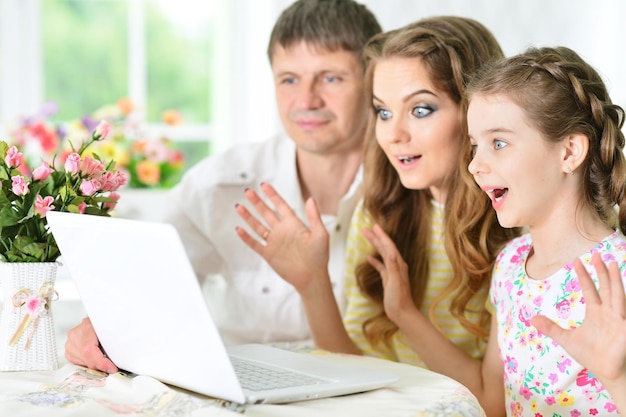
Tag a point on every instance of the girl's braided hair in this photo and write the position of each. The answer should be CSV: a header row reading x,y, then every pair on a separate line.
x,y
561,95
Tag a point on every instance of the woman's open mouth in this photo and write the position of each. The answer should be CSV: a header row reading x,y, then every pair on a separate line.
x,y
408,159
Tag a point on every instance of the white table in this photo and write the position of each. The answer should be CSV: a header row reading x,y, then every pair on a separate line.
x,y
71,391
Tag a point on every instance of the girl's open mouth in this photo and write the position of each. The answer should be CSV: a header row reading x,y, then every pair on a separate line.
x,y
497,194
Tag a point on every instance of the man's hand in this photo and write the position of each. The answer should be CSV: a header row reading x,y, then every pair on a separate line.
x,y
83,348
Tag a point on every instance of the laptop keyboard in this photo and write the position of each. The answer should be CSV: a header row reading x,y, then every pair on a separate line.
x,y
256,377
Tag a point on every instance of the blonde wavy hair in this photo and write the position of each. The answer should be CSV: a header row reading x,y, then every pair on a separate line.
x,y
451,49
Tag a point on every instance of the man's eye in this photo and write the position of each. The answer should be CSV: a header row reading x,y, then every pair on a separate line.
x,y
383,114
289,80
499,144
421,111
331,79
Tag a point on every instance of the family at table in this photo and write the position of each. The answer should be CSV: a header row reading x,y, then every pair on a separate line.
x,y
431,202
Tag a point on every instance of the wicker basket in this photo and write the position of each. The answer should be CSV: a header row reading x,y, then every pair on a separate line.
x,y
27,334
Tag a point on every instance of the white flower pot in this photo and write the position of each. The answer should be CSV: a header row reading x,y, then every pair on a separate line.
x,y
27,334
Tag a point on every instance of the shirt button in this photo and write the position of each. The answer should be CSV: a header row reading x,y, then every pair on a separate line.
x,y
338,227
265,290
243,175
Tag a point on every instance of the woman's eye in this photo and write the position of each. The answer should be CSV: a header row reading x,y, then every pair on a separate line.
x,y
499,144
383,114
421,111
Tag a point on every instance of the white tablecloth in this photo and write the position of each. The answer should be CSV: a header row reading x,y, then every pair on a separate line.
x,y
73,391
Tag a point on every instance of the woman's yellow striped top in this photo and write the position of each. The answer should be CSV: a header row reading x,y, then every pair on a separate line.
x,y
360,308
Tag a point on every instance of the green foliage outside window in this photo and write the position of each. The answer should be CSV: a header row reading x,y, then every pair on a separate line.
x,y
84,54
85,62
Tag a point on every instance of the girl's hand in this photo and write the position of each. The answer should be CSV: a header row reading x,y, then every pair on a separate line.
x,y
394,272
296,252
599,344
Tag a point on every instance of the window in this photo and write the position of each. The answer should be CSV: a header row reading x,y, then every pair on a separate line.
x,y
91,53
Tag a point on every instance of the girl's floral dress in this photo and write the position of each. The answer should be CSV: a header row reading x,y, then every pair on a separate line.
x,y
540,377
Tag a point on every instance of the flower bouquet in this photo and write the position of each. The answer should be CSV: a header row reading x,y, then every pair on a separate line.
x,y
83,184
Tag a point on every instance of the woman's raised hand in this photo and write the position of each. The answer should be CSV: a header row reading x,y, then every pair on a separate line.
x,y
394,272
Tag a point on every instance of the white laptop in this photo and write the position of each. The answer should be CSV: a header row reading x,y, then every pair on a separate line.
x,y
144,301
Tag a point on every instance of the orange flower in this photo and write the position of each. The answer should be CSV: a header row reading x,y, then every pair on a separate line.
x,y
126,105
148,172
172,117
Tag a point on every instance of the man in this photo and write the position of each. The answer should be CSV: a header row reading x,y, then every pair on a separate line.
x,y
315,54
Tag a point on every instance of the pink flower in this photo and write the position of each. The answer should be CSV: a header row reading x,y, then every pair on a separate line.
x,y
48,139
20,186
111,205
177,158
109,181
156,151
525,392
42,172
510,364
91,167
610,407
554,378
43,205
564,364
81,207
72,163
35,305
120,178
13,158
89,187
103,130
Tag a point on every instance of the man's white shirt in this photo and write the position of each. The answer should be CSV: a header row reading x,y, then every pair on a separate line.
x,y
253,303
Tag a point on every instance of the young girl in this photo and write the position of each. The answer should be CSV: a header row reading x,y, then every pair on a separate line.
x,y
444,227
548,150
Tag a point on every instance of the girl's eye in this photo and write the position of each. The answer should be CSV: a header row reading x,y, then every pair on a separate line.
x,y
499,144
383,114
421,111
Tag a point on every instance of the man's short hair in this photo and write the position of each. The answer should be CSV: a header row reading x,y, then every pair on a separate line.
x,y
328,24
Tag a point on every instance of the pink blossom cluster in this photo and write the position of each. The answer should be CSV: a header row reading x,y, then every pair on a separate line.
x,y
94,176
